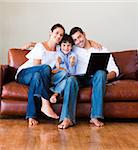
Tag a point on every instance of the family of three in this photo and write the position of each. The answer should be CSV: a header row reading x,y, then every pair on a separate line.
x,y
52,66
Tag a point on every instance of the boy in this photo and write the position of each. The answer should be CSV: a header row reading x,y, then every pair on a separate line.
x,y
65,60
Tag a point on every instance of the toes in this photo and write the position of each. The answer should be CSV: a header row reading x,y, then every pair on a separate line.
x,y
53,99
32,122
60,126
65,124
50,113
96,122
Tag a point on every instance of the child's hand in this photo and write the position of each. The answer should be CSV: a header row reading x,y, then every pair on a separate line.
x,y
58,62
72,61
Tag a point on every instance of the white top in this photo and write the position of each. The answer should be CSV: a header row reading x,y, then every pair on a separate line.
x,y
39,52
83,59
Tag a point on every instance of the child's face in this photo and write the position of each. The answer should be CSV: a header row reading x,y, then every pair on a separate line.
x,y
66,47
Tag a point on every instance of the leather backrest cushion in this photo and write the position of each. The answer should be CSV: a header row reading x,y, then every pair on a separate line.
x,y
16,57
126,61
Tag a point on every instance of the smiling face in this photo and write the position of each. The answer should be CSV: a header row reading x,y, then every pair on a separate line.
x,y
79,39
66,47
57,34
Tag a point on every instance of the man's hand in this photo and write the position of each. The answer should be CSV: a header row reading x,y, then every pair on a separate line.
x,y
111,75
28,45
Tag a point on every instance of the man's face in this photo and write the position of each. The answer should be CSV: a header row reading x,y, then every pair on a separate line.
x,y
79,39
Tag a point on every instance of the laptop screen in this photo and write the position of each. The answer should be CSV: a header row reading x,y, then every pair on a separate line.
x,y
97,61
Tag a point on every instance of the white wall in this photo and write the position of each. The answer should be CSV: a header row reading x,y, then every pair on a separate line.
x,y
114,24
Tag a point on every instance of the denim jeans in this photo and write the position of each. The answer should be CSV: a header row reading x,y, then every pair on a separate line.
x,y
38,79
59,81
98,82
70,99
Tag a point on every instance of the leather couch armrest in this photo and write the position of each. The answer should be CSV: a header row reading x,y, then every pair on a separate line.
x,y
7,74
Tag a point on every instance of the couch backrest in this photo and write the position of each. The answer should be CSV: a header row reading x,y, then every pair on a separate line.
x,y
127,61
16,57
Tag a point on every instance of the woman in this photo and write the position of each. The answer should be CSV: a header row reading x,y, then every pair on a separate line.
x,y
36,73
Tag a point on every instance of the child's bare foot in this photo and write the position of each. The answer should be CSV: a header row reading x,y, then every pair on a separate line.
x,y
47,110
96,122
53,98
32,122
65,124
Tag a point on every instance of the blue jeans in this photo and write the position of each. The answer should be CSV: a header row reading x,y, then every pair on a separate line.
x,y
59,81
70,99
38,79
98,82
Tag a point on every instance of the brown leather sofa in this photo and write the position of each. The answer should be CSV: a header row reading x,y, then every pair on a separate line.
x,y
121,99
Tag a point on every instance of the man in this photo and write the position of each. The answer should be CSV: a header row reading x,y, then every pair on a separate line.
x,y
83,49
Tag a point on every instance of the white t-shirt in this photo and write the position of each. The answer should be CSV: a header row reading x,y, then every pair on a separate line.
x,y
83,59
39,52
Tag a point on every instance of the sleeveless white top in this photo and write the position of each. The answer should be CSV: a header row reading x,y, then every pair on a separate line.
x,y
39,52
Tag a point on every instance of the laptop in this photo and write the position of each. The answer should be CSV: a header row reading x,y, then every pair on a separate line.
x,y
97,61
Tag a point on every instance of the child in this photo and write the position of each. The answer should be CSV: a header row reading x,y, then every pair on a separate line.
x,y
66,60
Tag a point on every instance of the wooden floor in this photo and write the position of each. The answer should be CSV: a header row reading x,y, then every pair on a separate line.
x,y
14,134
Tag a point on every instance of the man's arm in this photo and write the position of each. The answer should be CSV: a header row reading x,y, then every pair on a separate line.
x,y
29,46
113,70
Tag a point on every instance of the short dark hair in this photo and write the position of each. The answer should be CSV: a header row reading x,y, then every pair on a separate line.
x,y
75,29
57,26
67,38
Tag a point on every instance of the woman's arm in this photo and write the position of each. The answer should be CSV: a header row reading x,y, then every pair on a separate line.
x,y
95,44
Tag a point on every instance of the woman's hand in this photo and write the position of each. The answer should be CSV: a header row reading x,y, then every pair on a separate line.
x,y
95,45
56,70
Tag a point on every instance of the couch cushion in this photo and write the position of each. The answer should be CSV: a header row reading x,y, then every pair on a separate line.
x,y
14,90
127,63
16,57
121,90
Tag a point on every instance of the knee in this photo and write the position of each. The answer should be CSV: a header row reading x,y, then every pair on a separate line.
x,y
36,77
100,74
72,80
47,68
63,73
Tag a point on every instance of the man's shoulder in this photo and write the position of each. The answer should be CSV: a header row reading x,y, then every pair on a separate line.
x,y
77,49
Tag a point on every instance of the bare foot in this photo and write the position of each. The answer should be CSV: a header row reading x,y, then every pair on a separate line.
x,y
53,98
32,122
47,110
65,124
96,122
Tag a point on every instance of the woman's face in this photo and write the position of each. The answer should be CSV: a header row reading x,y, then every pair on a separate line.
x,y
57,35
